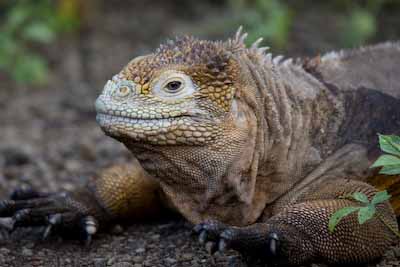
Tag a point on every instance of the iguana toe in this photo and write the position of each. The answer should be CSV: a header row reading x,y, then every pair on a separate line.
x,y
255,242
57,213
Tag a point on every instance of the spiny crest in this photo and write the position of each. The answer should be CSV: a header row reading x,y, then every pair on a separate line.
x,y
184,52
190,51
210,61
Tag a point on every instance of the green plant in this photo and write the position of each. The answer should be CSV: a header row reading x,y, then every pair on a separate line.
x,y
390,164
27,24
270,19
358,27
365,212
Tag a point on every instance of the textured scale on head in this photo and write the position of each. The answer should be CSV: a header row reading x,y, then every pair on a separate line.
x,y
207,64
177,95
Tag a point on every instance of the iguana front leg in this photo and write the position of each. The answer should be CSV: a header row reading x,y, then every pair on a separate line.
x,y
119,192
299,233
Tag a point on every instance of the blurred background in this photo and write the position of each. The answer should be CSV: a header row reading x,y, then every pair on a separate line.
x,y
56,55
37,36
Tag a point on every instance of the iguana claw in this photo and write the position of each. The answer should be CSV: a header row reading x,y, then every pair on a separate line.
x,y
254,240
54,212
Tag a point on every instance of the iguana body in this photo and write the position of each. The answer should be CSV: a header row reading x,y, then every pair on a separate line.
x,y
257,152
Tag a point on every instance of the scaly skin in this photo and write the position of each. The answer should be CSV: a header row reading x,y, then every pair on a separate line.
x,y
257,152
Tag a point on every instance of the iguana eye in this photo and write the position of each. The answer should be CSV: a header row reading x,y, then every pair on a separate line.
x,y
174,86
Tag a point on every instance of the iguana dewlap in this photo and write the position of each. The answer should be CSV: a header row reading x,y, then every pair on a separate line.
x,y
255,150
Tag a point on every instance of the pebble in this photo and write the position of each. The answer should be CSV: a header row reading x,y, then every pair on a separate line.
x,y
155,237
110,261
4,250
27,252
138,259
170,260
117,230
98,262
122,264
187,256
140,250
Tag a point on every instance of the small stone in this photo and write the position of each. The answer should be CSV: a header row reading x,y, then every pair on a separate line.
x,y
148,263
98,262
170,260
4,250
140,250
110,261
187,256
155,237
27,252
117,229
29,245
122,264
138,259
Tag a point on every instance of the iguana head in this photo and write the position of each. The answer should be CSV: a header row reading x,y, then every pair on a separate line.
x,y
189,113
179,95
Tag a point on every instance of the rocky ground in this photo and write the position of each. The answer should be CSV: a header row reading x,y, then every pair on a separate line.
x,y
49,139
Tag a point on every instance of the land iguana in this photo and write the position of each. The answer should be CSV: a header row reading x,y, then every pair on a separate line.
x,y
258,152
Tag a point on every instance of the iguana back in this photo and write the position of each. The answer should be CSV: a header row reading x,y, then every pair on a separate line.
x,y
370,77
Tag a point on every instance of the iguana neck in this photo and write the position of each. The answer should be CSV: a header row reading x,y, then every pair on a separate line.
x,y
297,119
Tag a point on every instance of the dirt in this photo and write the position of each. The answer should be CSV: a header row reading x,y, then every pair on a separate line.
x,y
50,140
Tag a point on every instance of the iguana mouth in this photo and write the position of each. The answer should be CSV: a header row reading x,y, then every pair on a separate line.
x,y
165,131
138,119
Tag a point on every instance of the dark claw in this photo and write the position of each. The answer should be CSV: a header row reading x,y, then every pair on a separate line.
x,y
6,207
7,223
47,232
222,245
53,220
22,215
54,212
198,228
273,241
203,237
90,226
88,240
211,247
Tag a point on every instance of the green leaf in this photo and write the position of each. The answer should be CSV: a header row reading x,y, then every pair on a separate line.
x,y
17,16
380,197
339,215
8,49
386,160
358,27
30,68
366,213
38,32
390,144
361,197
390,170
